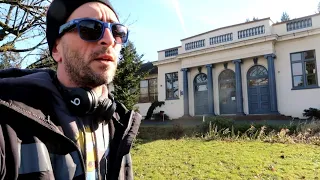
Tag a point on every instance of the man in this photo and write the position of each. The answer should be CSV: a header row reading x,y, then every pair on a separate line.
x,y
66,125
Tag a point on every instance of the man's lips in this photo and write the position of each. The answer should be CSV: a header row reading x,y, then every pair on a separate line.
x,y
105,58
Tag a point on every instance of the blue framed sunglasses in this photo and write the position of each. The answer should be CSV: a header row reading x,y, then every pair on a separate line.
x,y
92,30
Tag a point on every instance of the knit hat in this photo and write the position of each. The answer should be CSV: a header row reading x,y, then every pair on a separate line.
x,y
58,13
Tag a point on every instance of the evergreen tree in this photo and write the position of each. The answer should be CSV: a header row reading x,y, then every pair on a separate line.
x,y
285,17
255,19
128,76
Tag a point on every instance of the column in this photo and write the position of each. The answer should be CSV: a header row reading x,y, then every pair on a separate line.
x,y
272,83
239,97
185,91
210,89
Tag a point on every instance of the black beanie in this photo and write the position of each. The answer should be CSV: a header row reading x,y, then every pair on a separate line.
x,y
58,13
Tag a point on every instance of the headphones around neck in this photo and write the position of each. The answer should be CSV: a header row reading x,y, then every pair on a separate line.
x,y
83,101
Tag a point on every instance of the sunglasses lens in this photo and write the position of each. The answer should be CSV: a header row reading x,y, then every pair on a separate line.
x,y
120,33
90,30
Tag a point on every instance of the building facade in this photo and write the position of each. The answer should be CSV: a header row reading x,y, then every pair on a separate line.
x,y
258,67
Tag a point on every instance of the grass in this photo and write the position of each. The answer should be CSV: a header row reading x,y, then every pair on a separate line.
x,y
198,159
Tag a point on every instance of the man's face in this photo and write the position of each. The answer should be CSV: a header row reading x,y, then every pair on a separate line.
x,y
89,64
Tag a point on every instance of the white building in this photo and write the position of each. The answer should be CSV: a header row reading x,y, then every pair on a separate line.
x,y
257,67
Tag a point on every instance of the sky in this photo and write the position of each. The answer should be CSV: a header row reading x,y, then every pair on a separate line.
x,y
161,24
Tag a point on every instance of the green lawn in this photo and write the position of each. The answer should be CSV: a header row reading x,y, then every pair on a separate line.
x,y
197,159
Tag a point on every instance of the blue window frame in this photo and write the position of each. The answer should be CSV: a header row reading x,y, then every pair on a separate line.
x,y
304,70
172,85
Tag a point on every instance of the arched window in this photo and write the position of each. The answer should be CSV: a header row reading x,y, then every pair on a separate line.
x,y
200,82
257,76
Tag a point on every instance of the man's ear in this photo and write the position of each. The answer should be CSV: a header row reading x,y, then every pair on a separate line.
x,y
57,51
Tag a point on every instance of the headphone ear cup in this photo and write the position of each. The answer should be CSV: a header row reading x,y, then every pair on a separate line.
x,y
109,108
110,111
80,101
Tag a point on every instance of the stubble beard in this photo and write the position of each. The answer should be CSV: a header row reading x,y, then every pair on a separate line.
x,y
81,74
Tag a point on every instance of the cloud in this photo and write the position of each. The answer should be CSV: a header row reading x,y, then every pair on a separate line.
x,y
177,8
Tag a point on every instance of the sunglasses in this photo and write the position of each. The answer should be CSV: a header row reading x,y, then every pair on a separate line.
x,y
93,30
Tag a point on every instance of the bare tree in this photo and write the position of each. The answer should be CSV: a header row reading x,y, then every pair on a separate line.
x,y
22,25
45,61
9,60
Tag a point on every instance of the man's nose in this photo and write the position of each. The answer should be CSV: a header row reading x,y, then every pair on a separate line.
x,y
107,39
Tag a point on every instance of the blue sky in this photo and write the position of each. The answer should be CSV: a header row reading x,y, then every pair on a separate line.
x,y
160,24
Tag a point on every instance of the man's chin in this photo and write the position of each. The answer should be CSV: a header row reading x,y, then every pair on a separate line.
x,y
103,72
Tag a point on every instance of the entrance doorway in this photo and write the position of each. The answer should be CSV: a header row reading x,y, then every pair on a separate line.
x,y
201,94
258,90
227,92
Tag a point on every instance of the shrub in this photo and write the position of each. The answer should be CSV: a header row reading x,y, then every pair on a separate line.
x,y
153,106
177,131
311,128
218,128
312,113
220,122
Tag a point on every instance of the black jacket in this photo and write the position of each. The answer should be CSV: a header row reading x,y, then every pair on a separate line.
x,y
34,141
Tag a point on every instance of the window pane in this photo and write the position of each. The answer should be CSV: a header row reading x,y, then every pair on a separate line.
x,y
153,97
175,84
172,85
263,81
176,93
168,76
153,86
201,87
296,57
258,71
152,89
226,75
143,91
169,85
201,78
143,99
310,67
169,94
227,85
309,54
143,83
175,89
152,82
258,82
297,69
311,79
297,81
175,75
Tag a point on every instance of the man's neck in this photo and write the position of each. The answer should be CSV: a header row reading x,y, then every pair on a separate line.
x,y
99,90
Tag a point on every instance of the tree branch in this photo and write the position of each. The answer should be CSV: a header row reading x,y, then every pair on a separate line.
x,y
14,22
10,47
9,14
25,22
17,3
